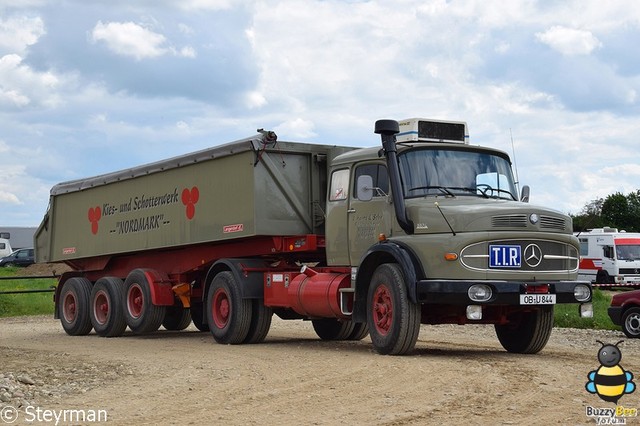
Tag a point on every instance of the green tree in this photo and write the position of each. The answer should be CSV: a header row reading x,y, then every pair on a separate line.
x,y
617,212
590,216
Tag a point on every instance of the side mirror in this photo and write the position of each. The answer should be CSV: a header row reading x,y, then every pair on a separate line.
x,y
524,197
364,188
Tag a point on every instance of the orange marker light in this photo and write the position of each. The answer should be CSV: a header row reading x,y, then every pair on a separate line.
x,y
382,237
450,256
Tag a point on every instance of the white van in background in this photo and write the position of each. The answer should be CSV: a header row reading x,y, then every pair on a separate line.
x,y
5,247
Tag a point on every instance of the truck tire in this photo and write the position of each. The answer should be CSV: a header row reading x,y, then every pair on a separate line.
x,y
74,303
332,329
393,319
142,315
107,307
528,332
228,314
197,316
176,318
631,323
360,331
603,277
260,322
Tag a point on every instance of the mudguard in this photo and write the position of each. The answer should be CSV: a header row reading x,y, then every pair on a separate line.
x,y
249,273
385,252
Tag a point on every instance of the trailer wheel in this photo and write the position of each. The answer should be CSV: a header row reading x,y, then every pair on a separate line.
x,y
360,331
107,307
228,314
332,329
176,318
74,302
393,319
142,315
197,316
260,322
528,332
631,322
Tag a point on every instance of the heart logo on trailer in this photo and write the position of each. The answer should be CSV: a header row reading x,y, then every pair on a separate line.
x,y
190,199
94,216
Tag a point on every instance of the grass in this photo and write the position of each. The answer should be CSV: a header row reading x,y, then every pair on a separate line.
x,y
568,316
12,305
42,303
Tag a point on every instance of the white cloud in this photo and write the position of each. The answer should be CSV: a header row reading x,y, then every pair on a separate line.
x,y
19,32
569,41
21,86
9,198
255,100
190,5
297,128
129,39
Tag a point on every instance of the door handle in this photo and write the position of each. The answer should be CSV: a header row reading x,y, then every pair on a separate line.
x,y
351,210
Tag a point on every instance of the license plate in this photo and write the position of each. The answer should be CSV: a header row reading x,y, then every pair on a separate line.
x,y
505,256
537,299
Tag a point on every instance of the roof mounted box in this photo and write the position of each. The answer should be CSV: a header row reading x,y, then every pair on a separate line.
x,y
426,130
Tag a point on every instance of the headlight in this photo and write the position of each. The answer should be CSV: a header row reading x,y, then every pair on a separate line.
x,y
480,292
582,293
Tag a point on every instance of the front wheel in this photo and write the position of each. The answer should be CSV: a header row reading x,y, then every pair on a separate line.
x,y
393,319
526,332
631,323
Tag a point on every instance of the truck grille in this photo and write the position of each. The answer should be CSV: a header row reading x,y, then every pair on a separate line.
x,y
521,220
630,271
551,222
553,256
509,221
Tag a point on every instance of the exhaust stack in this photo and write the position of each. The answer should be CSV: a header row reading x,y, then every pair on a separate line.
x,y
387,129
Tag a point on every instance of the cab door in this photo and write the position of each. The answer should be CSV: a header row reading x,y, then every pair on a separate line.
x,y
368,219
337,237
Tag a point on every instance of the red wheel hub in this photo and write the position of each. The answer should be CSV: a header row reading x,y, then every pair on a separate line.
x,y
135,301
220,308
101,307
69,307
382,309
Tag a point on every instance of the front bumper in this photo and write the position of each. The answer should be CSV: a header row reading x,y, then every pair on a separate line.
x,y
451,292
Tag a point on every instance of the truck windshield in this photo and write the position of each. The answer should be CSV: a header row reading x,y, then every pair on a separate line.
x,y
628,252
455,172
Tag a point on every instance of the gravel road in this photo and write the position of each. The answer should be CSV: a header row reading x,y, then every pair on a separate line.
x,y
456,375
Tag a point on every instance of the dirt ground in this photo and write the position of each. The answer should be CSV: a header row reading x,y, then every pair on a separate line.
x,y
456,375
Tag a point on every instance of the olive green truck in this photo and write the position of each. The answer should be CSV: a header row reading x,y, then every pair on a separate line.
x,y
427,229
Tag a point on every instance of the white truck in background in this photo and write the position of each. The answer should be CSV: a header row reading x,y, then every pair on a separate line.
x,y
609,257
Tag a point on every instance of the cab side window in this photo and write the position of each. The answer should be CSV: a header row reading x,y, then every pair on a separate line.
x,y
380,177
339,189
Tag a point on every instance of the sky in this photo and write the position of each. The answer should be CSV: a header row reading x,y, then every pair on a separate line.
x,y
93,86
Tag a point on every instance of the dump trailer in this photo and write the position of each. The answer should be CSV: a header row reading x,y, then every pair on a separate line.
x,y
426,229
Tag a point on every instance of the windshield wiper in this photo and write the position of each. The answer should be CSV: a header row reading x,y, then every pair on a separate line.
x,y
441,188
472,190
